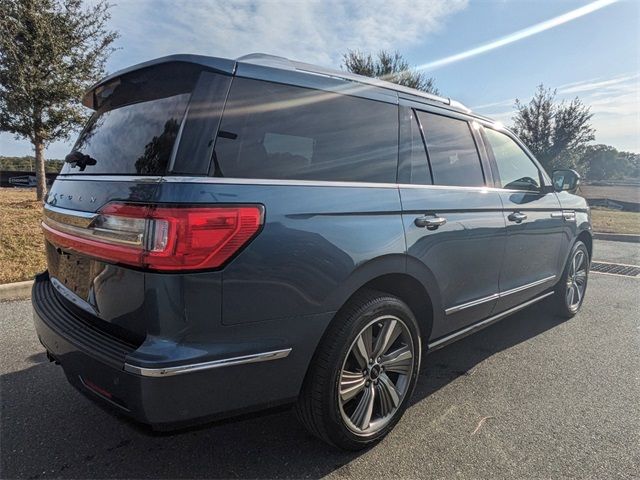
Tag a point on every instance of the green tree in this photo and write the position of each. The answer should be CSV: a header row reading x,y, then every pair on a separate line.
x,y
51,51
26,164
604,162
555,132
389,66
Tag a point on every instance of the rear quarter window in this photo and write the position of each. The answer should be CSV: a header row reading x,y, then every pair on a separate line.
x,y
273,131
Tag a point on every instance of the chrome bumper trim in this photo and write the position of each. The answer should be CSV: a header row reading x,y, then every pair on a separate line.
x,y
197,367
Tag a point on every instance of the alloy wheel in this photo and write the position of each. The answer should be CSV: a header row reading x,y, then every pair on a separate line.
x,y
375,375
577,280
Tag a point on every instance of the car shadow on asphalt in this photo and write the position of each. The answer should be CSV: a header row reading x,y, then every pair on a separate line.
x,y
50,430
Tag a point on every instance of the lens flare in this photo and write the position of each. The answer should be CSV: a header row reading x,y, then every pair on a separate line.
x,y
519,35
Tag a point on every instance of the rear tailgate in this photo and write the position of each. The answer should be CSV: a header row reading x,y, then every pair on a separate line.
x,y
147,123
106,292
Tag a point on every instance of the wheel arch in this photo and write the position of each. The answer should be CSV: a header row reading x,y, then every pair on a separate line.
x,y
585,237
399,275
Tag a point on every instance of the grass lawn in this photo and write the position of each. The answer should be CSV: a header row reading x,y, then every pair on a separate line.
x,y
614,221
21,243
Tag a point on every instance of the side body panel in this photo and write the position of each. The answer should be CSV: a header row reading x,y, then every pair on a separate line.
x,y
572,228
535,231
314,238
530,263
464,255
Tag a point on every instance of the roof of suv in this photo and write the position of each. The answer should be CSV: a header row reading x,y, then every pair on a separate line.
x,y
229,66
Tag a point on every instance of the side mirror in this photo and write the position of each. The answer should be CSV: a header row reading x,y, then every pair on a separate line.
x,y
565,180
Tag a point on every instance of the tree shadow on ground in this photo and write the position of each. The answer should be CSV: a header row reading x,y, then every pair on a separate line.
x,y
50,430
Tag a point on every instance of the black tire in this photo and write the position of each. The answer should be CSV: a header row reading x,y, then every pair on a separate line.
x,y
560,301
320,406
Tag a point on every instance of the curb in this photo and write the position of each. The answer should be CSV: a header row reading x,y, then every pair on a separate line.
x,y
16,291
617,237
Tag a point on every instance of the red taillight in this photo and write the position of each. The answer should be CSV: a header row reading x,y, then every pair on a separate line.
x,y
162,237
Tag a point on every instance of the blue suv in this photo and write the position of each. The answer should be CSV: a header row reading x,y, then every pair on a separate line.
x,y
231,235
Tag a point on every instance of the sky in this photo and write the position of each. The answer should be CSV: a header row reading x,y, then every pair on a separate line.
x,y
580,48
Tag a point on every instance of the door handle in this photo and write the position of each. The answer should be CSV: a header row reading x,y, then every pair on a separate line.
x,y
517,217
431,222
566,215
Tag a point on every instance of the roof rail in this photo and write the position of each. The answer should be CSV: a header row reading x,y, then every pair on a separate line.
x,y
267,60
275,61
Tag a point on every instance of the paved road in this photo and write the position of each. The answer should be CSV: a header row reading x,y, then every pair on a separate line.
x,y
618,252
558,399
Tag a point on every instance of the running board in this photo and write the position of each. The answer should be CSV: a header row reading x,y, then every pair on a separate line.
x,y
452,337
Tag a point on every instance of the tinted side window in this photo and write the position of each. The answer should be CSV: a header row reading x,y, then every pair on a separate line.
x,y
283,132
515,168
452,152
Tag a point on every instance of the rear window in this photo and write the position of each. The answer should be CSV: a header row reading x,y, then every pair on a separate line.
x,y
452,151
274,131
134,129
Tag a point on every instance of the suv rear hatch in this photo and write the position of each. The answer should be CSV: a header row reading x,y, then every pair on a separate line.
x,y
104,232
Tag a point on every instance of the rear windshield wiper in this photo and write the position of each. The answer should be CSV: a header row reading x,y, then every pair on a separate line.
x,y
79,159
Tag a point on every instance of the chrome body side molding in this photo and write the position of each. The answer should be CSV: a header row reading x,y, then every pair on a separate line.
x,y
495,296
197,367
528,285
472,303
441,342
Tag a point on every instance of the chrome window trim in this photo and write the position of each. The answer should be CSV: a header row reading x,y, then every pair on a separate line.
x,y
290,183
265,181
110,178
271,181
197,367
496,296
483,323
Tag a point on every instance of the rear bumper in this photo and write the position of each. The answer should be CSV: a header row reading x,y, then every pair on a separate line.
x,y
100,366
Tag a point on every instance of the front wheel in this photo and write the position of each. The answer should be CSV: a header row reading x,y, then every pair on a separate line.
x,y
363,373
571,289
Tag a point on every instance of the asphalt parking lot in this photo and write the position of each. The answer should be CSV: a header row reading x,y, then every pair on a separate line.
x,y
530,397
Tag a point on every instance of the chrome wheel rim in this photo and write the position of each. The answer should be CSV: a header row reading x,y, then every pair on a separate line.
x,y
577,280
375,375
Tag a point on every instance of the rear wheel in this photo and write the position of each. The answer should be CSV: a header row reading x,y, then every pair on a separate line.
x,y
363,373
570,290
